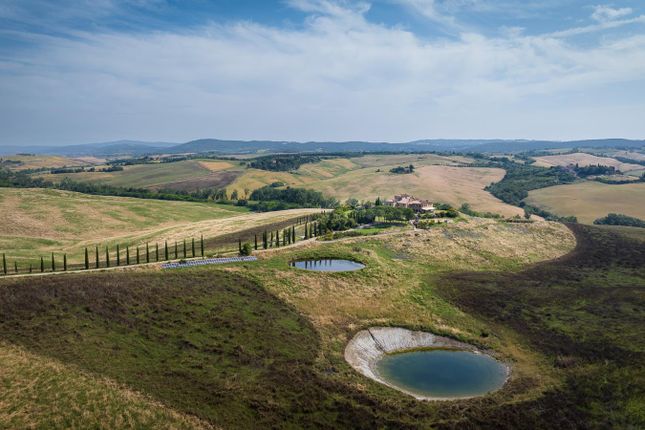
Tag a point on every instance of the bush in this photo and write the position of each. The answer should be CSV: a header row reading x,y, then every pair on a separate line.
x,y
620,219
246,249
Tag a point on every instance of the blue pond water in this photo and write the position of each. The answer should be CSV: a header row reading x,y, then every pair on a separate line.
x,y
441,373
328,265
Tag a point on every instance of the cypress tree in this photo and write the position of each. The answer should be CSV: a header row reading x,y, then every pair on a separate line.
x,y
193,246
4,263
118,255
127,255
107,257
293,233
277,239
147,253
184,248
165,252
239,245
201,244
176,256
157,252
306,231
138,255
15,266
265,245
271,242
65,262
42,265
97,257
87,259
53,263
31,269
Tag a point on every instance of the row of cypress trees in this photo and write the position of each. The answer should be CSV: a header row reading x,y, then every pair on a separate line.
x,y
269,240
153,255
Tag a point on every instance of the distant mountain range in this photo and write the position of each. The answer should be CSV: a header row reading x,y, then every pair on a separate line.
x,y
138,148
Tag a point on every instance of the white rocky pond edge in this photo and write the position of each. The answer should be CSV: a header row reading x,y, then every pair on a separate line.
x,y
367,347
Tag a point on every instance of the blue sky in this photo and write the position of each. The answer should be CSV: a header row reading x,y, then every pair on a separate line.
x,y
382,70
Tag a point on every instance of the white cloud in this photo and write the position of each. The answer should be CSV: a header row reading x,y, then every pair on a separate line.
x,y
604,13
338,77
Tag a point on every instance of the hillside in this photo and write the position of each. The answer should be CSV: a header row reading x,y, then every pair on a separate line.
x,y
37,222
591,200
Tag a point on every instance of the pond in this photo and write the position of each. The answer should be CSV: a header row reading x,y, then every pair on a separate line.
x,y
442,374
328,265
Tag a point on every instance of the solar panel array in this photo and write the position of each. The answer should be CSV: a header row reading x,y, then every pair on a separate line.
x,y
193,263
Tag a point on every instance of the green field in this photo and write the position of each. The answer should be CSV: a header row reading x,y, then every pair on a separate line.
x,y
590,200
260,345
37,222
188,175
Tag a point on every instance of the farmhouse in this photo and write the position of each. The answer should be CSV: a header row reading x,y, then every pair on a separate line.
x,y
408,201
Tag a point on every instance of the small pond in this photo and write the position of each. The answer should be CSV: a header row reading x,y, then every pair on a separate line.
x,y
328,265
442,373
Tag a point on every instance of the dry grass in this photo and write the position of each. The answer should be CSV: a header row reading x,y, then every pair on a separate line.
x,y
35,222
591,200
438,178
39,161
397,287
38,392
584,159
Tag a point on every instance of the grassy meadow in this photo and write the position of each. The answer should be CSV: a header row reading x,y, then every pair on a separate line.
x,y
591,200
187,175
37,222
261,344
437,178
584,159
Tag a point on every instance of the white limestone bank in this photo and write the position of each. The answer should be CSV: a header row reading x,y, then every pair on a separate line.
x,y
369,346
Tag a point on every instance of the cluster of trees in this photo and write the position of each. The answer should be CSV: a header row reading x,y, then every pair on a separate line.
x,y
402,169
284,163
271,198
596,170
620,219
465,208
522,178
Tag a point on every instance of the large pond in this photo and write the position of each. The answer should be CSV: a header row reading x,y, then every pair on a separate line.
x,y
328,265
442,373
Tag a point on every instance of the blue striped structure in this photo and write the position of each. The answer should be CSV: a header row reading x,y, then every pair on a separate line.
x,y
193,263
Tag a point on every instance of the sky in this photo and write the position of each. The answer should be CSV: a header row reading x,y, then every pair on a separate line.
x,y
380,70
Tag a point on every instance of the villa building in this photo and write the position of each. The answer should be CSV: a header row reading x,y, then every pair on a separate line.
x,y
408,201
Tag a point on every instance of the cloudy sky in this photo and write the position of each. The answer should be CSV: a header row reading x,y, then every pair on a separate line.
x,y
384,70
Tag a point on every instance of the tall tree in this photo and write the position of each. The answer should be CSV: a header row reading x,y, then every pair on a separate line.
x,y
53,263
15,266
4,263
184,248
239,245
176,252
127,255
118,255
201,244
107,257
147,253
156,251
87,259
97,263
42,265
256,241
65,262
138,255
193,247
165,252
